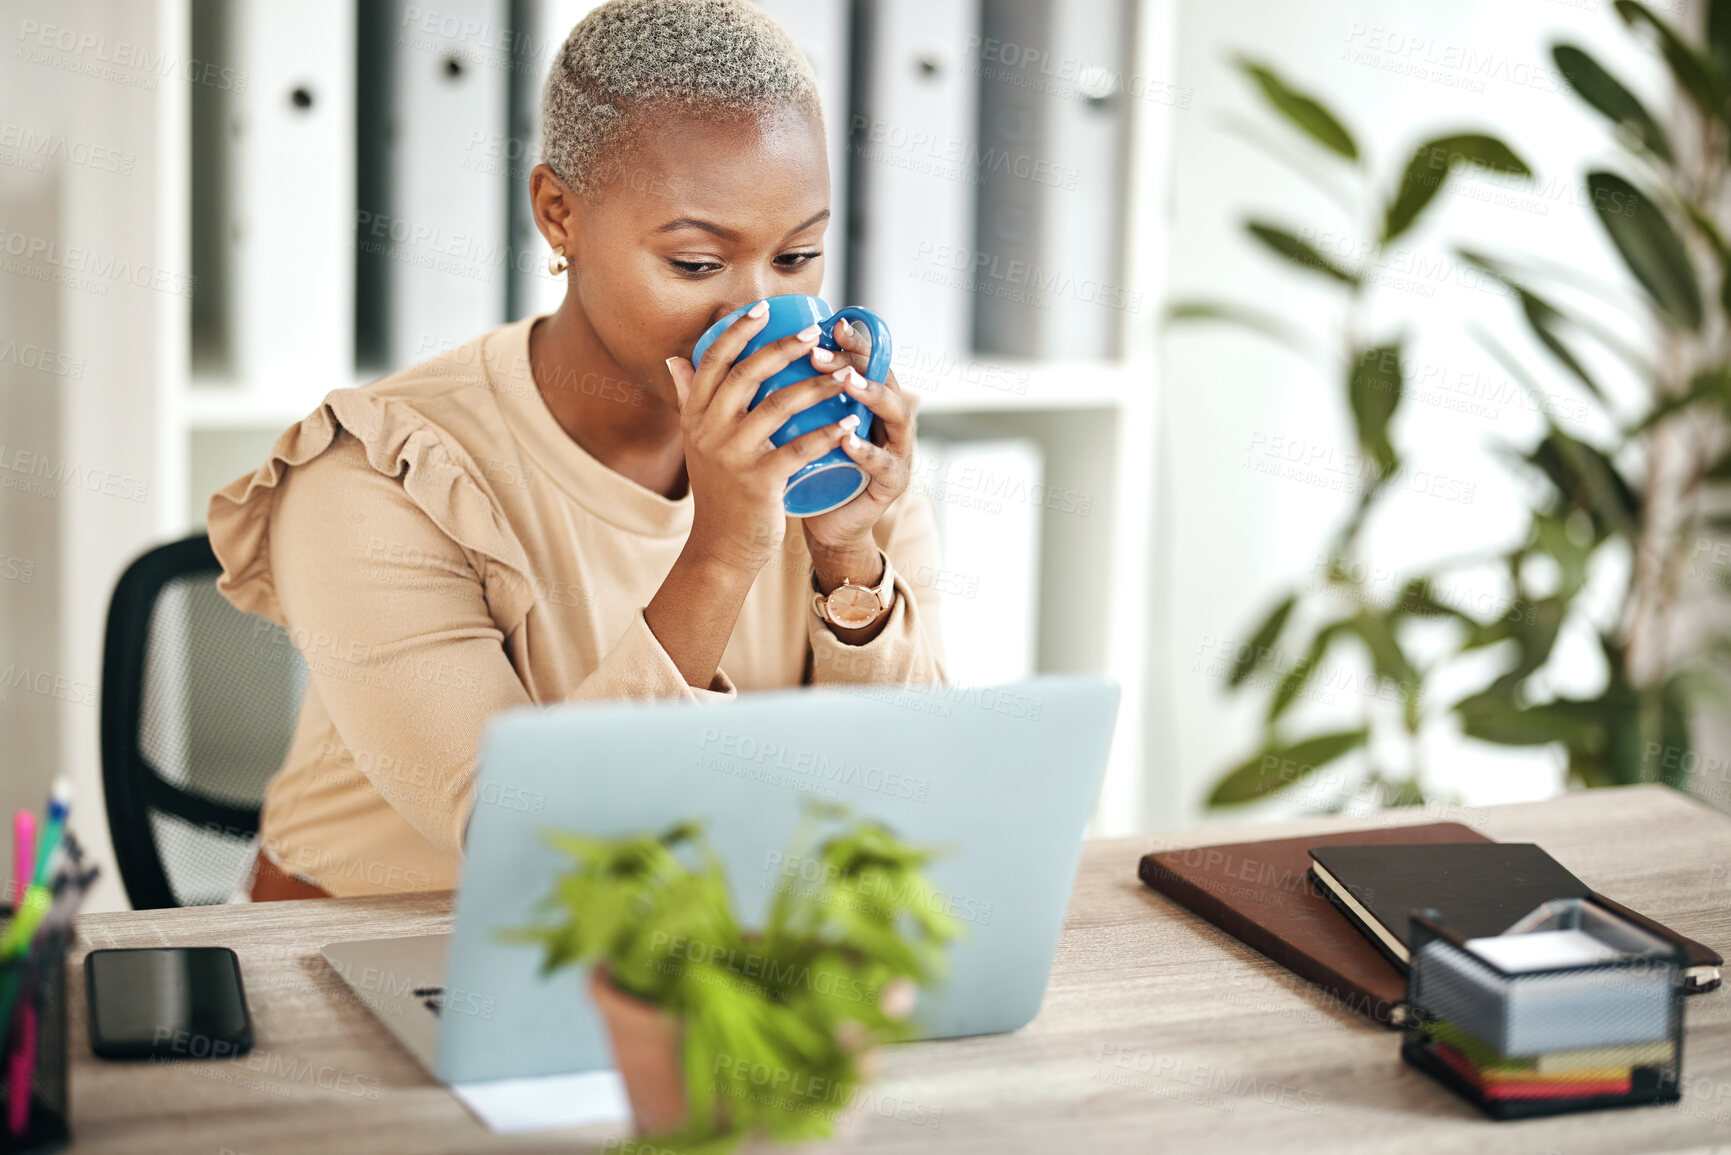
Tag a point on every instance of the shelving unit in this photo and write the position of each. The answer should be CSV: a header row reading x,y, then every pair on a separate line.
x,y
1094,420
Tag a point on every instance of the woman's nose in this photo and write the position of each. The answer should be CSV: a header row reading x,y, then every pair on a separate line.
x,y
729,307
741,295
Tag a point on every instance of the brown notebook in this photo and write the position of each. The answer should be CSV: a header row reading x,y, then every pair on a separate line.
x,y
1262,894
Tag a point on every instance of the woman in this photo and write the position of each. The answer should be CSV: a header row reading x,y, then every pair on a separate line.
x,y
564,509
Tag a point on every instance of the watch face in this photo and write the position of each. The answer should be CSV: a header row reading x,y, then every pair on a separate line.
x,y
852,606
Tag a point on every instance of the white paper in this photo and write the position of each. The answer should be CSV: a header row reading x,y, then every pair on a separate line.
x,y
543,1102
1541,950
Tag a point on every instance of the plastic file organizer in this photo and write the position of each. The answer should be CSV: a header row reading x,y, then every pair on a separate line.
x,y
1571,1009
39,981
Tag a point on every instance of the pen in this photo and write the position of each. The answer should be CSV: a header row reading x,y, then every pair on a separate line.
x,y
21,1070
69,895
23,852
12,947
24,921
59,802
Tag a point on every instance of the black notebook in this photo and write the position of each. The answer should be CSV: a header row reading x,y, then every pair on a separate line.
x,y
1480,888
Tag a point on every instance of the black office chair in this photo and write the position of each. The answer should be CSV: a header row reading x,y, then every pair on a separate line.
x,y
198,707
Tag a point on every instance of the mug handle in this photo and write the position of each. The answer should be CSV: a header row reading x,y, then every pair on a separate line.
x,y
878,364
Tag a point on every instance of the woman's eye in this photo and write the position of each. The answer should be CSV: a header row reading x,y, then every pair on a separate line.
x,y
796,260
695,267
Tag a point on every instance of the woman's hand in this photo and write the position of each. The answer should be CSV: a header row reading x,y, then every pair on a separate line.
x,y
844,534
737,476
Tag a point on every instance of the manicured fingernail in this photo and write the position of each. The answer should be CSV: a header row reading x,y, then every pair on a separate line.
x,y
853,442
821,356
669,363
809,333
758,309
850,422
857,383
842,374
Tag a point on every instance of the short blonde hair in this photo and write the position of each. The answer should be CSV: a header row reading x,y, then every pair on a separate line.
x,y
728,56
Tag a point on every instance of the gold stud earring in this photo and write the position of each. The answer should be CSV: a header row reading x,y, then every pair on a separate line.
x,y
556,262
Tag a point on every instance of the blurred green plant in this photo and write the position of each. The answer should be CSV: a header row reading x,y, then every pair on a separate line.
x,y
830,975
1639,491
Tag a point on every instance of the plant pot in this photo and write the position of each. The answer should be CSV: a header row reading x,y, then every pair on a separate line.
x,y
646,1050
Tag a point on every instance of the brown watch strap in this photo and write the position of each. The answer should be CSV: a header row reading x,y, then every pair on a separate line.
x,y
884,591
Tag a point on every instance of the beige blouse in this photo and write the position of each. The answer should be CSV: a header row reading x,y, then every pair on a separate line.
x,y
439,549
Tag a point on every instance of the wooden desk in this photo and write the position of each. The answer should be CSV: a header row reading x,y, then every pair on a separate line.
x,y
1227,1052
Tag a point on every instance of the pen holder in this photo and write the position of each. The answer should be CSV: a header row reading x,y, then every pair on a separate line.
x,y
45,1111
1573,1008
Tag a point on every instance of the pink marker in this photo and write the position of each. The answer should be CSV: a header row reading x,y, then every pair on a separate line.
x,y
21,1063
23,855
22,1070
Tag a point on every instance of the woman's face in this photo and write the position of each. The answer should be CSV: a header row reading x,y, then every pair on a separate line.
x,y
702,216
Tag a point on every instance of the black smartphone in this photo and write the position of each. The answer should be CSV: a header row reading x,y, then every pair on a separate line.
x,y
167,1002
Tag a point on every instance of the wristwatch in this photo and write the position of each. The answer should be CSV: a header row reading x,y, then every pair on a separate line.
x,y
851,605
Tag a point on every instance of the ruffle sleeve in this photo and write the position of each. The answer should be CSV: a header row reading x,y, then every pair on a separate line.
x,y
437,473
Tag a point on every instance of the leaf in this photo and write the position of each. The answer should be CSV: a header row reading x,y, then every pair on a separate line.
x,y
1262,642
1390,662
1388,659
1429,169
1674,709
1298,250
1481,634
1711,385
1720,250
1417,599
1270,326
1280,147
1542,319
1494,718
1300,674
1476,148
1698,77
1517,285
1553,537
1305,112
1587,479
1705,226
1649,246
1374,391
1607,96
1273,769
1719,31
1541,315
1535,630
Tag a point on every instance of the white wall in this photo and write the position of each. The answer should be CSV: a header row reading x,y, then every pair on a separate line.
x,y
1233,539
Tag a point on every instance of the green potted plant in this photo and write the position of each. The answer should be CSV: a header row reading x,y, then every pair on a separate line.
x,y
1624,530
721,1033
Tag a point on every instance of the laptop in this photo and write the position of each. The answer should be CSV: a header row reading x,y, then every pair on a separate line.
x,y
1002,779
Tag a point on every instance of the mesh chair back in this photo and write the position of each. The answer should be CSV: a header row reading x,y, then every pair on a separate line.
x,y
198,706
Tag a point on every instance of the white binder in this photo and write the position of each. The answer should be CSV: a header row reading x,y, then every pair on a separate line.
x,y
443,231
1053,141
986,495
545,24
913,140
288,203
820,28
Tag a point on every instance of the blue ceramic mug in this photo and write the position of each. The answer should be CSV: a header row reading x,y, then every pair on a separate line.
x,y
832,480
